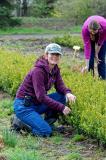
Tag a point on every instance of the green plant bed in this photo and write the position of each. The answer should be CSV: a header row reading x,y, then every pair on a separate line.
x,y
88,113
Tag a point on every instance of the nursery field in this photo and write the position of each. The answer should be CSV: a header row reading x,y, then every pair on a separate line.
x,y
84,134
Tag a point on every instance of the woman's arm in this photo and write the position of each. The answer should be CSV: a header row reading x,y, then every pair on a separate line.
x,y
97,49
40,92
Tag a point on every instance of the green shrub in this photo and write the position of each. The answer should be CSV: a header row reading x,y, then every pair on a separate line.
x,y
6,18
70,41
13,69
89,111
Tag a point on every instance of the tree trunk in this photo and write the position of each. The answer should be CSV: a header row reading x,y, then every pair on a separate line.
x,y
24,8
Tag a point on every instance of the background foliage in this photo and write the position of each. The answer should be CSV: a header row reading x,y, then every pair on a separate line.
x,y
74,11
78,10
6,18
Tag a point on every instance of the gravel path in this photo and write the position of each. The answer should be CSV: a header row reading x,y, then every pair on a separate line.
x,y
31,36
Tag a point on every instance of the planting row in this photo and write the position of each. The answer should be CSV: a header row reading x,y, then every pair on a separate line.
x,y
89,111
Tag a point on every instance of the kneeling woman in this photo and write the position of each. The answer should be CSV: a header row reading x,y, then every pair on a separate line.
x,y
32,99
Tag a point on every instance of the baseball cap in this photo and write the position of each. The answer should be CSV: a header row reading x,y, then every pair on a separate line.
x,y
53,48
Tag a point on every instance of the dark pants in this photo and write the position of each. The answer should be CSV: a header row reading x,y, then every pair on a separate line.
x,y
102,64
32,115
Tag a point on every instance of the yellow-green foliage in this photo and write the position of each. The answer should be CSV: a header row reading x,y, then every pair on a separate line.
x,y
89,111
13,68
70,41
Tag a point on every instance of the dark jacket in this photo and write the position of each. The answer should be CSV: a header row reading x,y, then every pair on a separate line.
x,y
40,80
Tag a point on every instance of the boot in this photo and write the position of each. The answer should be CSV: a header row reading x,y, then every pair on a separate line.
x,y
17,125
51,117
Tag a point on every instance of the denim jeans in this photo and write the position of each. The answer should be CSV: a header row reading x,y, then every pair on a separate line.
x,y
32,115
102,64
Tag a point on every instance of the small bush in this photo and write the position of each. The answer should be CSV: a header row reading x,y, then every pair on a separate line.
x,y
70,41
6,18
13,69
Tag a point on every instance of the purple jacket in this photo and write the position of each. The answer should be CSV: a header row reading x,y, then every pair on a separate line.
x,y
86,34
40,80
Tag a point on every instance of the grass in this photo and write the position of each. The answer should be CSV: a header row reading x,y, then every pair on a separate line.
x,y
9,138
73,156
18,147
33,30
31,25
57,139
78,138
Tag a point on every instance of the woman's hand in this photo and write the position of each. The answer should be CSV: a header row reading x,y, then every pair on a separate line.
x,y
97,59
66,110
84,69
97,49
71,97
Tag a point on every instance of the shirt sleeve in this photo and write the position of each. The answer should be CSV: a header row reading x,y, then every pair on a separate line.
x,y
60,86
87,43
40,91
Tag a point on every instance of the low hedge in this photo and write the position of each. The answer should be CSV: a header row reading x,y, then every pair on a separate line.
x,y
89,111
70,40
13,67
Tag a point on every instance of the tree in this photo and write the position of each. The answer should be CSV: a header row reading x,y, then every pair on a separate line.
x,y
78,10
24,7
18,7
5,14
42,8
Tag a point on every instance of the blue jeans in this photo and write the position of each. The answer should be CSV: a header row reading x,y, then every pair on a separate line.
x,y
32,115
102,56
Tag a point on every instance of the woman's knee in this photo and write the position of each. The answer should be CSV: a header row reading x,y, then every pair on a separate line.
x,y
58,97
47,132
62,98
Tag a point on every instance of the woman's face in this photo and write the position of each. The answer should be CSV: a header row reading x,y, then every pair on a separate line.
x,y
53,58
93,32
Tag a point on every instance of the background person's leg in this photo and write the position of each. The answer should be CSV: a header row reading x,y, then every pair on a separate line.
x,y
91,61
102,63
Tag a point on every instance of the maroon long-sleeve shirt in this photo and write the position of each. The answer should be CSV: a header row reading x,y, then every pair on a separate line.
x,y
39,81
